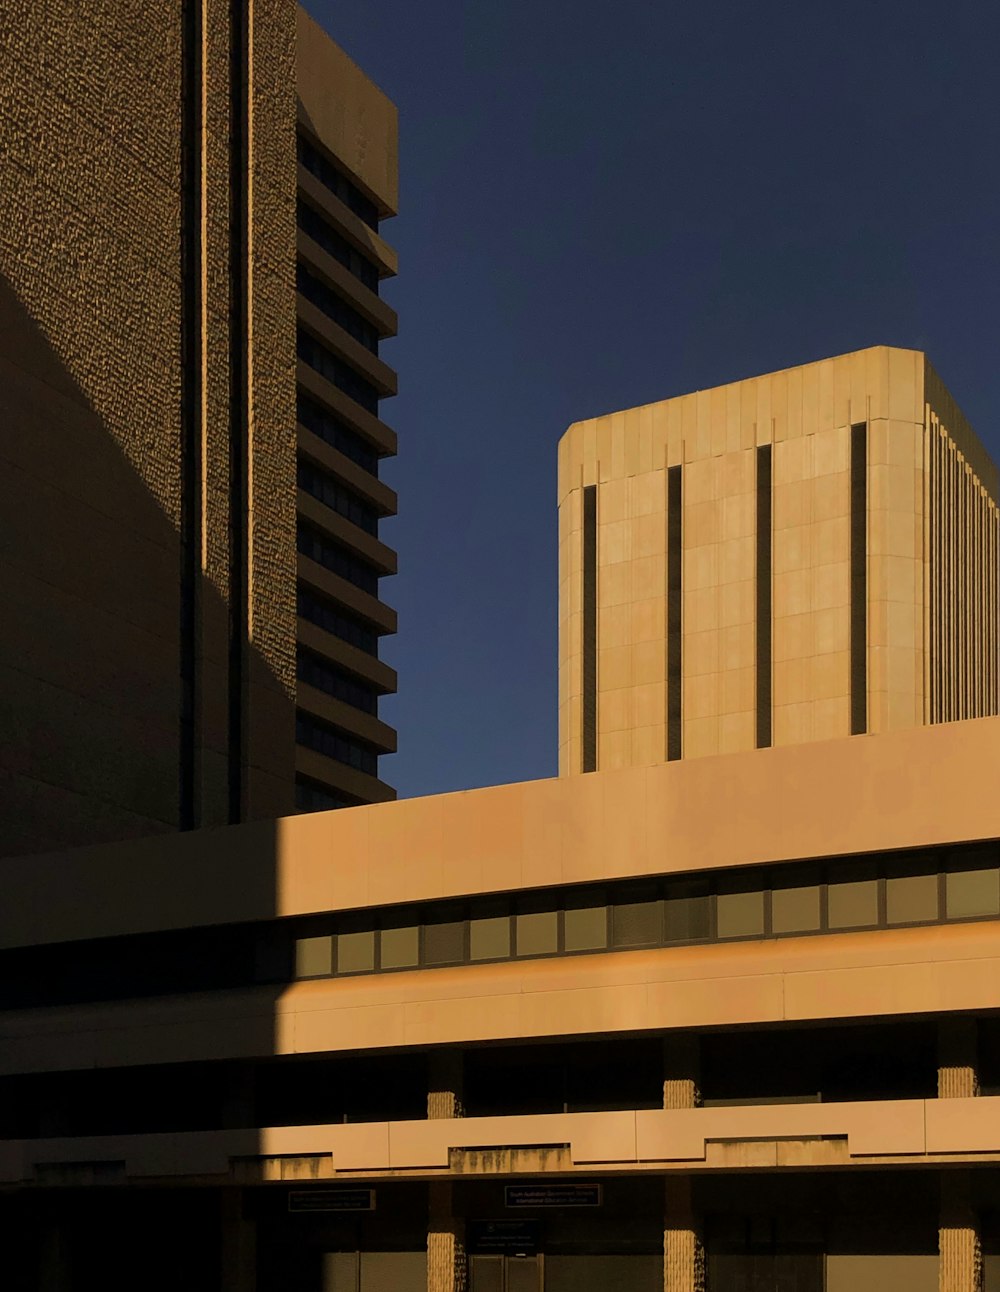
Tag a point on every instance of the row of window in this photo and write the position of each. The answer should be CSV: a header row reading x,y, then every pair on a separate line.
x,y
326,677
334,244
333,178
338,560
332,493
791,900
310,796
329,428
333,619
336,309
336,744
340,374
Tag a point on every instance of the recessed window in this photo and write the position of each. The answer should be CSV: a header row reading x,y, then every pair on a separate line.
x,y
444,943
537,933
911,899
852,905
313,957
489,939
687,919
636,924
356,952
795,910
585,928
399,948
972,892
740,915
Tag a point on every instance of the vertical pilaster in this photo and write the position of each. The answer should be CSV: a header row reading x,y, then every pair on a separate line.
x,y
958,1076
683,1248
446,1263
681,1072
239,1245
960,1266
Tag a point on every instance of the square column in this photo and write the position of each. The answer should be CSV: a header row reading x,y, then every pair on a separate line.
x,y
683,1248
961,1258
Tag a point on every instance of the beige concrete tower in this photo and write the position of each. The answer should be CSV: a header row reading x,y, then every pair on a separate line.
x,y
799,556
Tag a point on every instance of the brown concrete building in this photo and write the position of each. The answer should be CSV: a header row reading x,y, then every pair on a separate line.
x,y
723,1023
152,665
706,1024
795,557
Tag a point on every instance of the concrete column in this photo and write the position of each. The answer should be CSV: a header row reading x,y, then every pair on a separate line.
x,y
444,1084
683,1249
958,1075
447,1269
960,1267
239,1244
446,1263
53,1256
681,1071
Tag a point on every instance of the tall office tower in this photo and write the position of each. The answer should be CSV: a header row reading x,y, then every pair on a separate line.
x,y
800,556
347,183
148,442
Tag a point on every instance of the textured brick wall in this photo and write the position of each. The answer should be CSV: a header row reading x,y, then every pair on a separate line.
x,y
90,418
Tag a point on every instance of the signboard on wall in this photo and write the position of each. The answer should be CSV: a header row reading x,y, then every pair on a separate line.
x,y
331,1200
510,1237
552,1195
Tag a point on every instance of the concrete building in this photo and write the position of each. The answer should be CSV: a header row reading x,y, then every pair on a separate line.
x,y
155,672
729,1022
799,556
721,1023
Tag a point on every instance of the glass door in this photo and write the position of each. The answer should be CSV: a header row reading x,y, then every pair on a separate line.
x,y
505,1274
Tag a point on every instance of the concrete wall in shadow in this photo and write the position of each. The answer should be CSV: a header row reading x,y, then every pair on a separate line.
x,y
95,416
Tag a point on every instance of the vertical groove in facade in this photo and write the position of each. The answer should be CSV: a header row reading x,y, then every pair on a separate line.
x,y
763,616
675,598
239,421
963,638
192,406
589,602
859,578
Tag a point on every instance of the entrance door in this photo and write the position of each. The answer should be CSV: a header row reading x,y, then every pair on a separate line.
x,y
505,1274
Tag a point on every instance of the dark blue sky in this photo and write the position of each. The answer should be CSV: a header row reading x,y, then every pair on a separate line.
x,y
604,204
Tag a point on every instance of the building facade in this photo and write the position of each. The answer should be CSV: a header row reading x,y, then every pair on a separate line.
x,y
727,1023
798,556
152,674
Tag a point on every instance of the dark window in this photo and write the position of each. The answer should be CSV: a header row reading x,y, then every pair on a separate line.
x,y
333,178
310,796
763,596
859,578
332,493
590,628
324,235
336,309
675,593
637,920
328,678
444,941
314,417
338,560
337,621
687,913
334,743
340,374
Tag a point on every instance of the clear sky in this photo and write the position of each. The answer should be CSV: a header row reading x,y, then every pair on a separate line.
x,y
605,204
